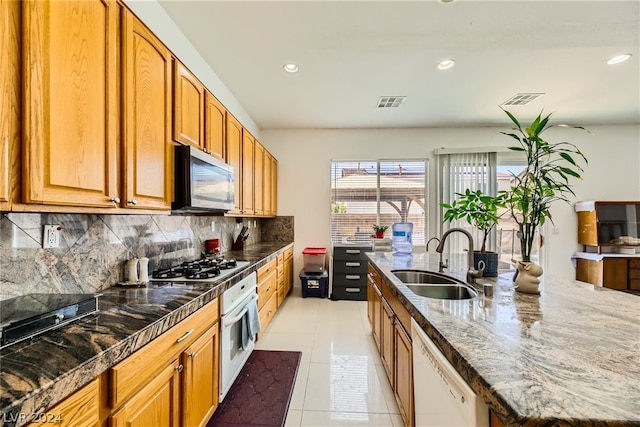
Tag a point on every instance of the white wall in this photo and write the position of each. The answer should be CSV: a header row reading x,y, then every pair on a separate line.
x,y
304,158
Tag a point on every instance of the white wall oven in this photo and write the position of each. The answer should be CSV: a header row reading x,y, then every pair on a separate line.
x,y
233,307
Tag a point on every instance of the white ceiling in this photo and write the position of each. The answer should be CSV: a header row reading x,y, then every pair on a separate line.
x,y
352,52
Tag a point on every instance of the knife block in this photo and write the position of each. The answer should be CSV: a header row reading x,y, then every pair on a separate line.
x,y
237,245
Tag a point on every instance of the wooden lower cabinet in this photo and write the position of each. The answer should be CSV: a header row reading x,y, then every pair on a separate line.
x,y
80,409
403,373
200,379
386,318
156,404
171,381
610,272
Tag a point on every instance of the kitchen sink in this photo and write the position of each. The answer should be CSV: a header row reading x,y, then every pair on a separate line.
x,y
443,291
434,285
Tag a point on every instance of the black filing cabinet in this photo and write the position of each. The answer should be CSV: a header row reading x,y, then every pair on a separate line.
x,y
350,271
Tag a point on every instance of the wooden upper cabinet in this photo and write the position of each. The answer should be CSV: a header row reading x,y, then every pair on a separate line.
x,y
258,179
248,173
146,115
9,101
267,194
214,126
70,122
233,157
188,107
274,186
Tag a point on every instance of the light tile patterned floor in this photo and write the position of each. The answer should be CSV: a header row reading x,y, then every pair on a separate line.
x,y
341,381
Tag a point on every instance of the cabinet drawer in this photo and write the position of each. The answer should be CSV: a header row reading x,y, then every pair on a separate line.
x,y
288,253
267,312
634,263
266,269
128,376
349,292
634,273
351,253
634,284
350,267
350,279
267,288
79,409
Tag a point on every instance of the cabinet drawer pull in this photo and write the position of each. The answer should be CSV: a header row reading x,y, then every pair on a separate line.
x,y
184,337
115,200
352,277
352,264
193,355
353,251
179,368
133,202
352,290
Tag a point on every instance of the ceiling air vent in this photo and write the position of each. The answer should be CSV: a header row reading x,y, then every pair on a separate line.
x,y
522,98
390,101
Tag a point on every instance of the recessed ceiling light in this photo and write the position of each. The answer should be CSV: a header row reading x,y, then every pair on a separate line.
x,y
446,64
291,68
618,59
446,1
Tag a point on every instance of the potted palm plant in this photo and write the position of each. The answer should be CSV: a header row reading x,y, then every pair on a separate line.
x,y
544,180
481,211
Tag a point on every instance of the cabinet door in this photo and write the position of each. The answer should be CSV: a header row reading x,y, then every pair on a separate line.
x,y
214,126
387,320
188,107
288,273
157,404
200,379
248,173
70,102
258,180
233,156
9,101
267,192
403,374
146,114
377,324
274,186
615,273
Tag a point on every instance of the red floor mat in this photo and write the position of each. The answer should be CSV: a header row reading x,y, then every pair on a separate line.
x,y
261,394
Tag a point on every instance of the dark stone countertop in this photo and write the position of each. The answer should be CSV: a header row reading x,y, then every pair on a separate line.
x,y
570,356
37,374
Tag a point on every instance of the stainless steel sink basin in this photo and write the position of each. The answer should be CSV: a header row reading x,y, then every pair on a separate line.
x,y
443,291
419,276
434,285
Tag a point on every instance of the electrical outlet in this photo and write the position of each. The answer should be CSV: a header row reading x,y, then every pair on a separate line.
x,y
213,226
51,237
255,223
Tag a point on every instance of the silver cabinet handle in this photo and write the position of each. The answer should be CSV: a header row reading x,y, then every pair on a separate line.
x,y
352,277
193,355
352,251
179,368
352,264
115,200
133,202
184,337
352,290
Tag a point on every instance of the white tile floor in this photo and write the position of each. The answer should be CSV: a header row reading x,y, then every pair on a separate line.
x,y
341,381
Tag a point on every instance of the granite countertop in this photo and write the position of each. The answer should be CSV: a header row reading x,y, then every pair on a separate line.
x,y
570,356
37,374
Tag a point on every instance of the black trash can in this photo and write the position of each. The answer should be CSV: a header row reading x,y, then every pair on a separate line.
x,y
314,284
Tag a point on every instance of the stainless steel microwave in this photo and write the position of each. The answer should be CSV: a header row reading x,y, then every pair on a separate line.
x,y
202,182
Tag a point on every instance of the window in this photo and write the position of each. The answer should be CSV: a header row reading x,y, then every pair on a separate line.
x,y
364,193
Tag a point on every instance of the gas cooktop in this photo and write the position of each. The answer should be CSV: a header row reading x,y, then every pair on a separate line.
x,y
199,270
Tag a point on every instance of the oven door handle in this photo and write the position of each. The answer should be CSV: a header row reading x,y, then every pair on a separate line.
x,y
231,321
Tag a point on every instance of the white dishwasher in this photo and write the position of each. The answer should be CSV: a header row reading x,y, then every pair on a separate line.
x,y
442,397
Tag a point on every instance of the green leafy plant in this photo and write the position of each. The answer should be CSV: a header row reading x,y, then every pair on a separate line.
x,y
478,209
544,180
380,228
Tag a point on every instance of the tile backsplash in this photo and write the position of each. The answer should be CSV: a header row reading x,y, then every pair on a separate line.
x,y
94,248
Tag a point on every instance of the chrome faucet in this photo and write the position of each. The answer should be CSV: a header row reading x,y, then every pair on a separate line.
x,y
429,241
472,273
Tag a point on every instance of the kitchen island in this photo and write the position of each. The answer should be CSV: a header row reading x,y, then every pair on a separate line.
x,y
570,356
37,374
